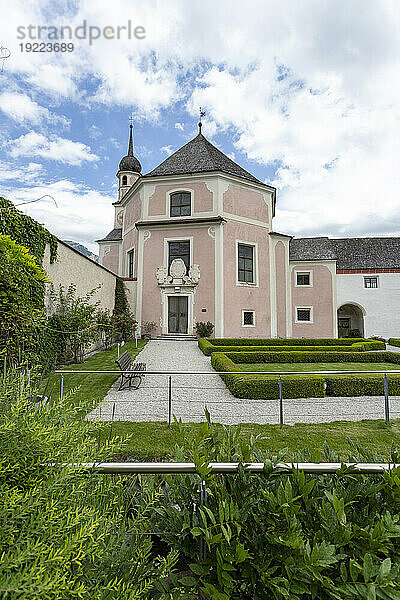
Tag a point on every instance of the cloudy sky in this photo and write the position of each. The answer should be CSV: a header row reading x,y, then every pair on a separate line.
x,y
305,95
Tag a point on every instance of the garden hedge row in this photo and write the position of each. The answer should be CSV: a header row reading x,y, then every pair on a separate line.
x,y
208,348
266,387
394,341
304,386
285,342
313,357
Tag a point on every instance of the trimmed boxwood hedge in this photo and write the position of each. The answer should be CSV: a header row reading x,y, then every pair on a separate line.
x,y
285,342
208,346
266,387
304,386
394,341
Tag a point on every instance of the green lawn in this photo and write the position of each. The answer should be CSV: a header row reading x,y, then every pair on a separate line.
x,y
91,388
154,441
304,367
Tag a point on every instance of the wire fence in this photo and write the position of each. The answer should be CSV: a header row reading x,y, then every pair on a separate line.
x,y
149,408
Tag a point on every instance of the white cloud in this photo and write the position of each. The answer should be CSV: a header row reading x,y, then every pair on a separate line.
x,y
27,174
179,126
22,109
55,148
168,150
82,214
308,88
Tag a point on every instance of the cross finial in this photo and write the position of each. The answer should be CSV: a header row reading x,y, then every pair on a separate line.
x,y
202,114
131,119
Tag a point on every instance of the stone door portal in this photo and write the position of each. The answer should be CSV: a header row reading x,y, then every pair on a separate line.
x,y
177,314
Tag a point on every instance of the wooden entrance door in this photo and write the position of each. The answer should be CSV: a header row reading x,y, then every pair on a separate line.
x,y
177,314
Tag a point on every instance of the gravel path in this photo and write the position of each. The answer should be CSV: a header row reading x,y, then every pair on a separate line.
x,y
191,393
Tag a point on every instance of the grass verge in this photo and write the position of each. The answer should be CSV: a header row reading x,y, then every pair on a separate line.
x,y
91,388
155,441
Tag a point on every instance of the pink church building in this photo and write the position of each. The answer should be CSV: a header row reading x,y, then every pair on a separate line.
x,y
194,241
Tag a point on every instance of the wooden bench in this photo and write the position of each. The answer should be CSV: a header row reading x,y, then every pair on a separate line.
x,y
136,371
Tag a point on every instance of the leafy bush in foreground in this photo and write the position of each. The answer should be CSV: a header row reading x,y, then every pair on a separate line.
x,y
287,537
65,533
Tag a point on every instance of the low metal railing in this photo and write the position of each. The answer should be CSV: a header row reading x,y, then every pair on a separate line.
x,y
243,373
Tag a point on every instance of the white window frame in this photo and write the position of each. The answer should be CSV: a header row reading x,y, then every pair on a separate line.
x,y
254,317
255,264
370,277
303,272
132,249
310,308
181,238
179,191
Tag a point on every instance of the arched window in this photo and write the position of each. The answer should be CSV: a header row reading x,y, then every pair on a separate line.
x,y
180,204
124,180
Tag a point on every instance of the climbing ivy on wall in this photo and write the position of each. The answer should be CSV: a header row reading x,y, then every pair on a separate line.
x,y
26,231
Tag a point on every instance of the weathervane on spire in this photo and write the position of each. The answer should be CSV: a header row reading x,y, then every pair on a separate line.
x,y
202,114
131,119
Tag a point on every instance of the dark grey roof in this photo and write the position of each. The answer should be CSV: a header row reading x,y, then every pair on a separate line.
x,y
349,253
115,235
200,156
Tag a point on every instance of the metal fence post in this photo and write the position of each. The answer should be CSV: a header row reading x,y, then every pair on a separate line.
x,y
203,498
169,400
280,403
386,391
61,387
118,350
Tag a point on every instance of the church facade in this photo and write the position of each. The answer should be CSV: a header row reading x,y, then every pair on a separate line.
x,y
194,241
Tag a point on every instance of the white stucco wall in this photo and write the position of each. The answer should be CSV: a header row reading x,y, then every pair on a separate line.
x,y
72,267
381,304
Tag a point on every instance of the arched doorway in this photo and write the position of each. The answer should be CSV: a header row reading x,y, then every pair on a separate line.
x,y
350,319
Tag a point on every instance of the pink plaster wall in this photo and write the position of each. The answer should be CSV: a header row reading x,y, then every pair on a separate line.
x,y
153,257
245,203
281,266
129,241
320,296
237,297
203,198
132,212
111,259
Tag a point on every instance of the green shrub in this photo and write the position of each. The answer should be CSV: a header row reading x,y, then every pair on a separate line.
x,y
203,329
67,533
270,536
265,386
285,342
361,385
313,357
394,341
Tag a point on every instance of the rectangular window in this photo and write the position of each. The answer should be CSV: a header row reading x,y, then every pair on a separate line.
x,y
303,278
131,263
180,204
370,282
248,318
179,250
303,315
245,263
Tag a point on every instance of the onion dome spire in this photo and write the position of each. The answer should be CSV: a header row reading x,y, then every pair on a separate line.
x,y
130,162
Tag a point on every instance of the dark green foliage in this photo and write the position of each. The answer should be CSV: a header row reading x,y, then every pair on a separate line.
x,y
284,537
204,330
285,342
304,386
394,341
121,304
26,231
65,533
361,385
264,386
208,348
